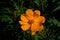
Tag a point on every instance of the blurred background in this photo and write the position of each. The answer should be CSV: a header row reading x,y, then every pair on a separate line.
x,y
10,11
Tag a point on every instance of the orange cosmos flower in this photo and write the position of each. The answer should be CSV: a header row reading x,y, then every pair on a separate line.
x,y
32,21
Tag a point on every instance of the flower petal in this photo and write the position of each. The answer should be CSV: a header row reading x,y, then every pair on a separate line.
x,y
40,28
42,19
29,13
33,33
25,27
37,12
22,23
23,18
34,27
37,20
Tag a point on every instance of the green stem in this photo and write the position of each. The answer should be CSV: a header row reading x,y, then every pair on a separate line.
x,y
42,6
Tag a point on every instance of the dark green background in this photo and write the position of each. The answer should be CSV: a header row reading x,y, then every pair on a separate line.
x,y
10,11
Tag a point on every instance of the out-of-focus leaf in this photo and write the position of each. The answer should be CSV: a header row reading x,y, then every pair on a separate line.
x,y
58,24
5,10
58,8
54,22
37,2
51,39
58,3
6,18
58,38
16,6
36,37
53,0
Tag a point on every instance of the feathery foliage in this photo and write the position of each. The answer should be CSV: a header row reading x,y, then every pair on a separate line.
x,y
11,10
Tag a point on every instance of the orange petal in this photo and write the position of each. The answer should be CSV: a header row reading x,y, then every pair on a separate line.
x,y
23,18
37,20
37,12
33,33
42,19
25,27
40,28
29,13
34,27
22,23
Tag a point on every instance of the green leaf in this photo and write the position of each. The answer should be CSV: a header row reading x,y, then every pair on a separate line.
x,y
6,18
5,10
54,21
58,8
58,37
37,2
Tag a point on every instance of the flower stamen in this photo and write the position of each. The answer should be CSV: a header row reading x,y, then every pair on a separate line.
x,y
30,22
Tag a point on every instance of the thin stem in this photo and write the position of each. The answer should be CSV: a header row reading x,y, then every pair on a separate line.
x,y
42,5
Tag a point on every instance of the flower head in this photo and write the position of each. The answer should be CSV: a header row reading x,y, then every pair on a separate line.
x,y
32,21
